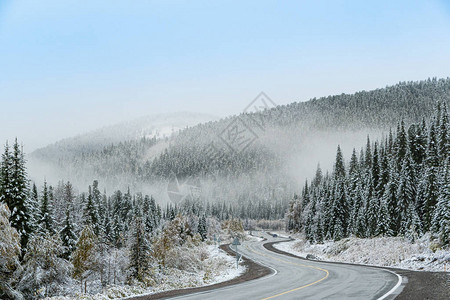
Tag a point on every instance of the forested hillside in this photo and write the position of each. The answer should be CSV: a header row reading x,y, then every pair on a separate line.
x,y
398,185
281,135
54,240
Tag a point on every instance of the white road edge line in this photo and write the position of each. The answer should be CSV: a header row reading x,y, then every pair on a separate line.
x,y
394,288
233,285
260,263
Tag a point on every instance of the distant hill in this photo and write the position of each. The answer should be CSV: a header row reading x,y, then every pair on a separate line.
x,y
158,126
275,150
45,162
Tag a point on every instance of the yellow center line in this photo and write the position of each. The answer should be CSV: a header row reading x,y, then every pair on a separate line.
x,y
296,264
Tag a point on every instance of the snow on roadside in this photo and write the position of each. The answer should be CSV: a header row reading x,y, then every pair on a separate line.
x,y
393,252
230,271
253,238
218,267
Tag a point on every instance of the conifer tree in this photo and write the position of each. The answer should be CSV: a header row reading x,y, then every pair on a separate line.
x,y
202,230
429,190
411,225
405,194
375,172
15,193
68,236
117,230
443,135
390,200
401,145
90,213
441,217
383,220
46,221
339,208
139,249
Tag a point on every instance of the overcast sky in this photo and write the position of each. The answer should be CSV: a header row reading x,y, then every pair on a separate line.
x,y
67,67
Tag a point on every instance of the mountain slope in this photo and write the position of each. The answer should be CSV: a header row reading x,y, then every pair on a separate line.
x,y
282,145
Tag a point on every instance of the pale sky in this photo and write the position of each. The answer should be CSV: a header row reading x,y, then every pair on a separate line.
x,y
67,67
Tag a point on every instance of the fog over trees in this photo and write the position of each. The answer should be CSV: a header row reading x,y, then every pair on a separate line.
x,y
398,185
109,217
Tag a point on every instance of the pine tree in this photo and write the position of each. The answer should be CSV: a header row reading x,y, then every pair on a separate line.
x,y
357,224
390,200
339,167
202,230
90,213
368,156
107,228
441,217
69,195
139,252
411,226
405,194
443,135
383,220
401,145
6,177
417,136
68,236
353,191
318,177
375,172
46,221
97,198
117,232
427,199
340,213
372,216
34,208
15,193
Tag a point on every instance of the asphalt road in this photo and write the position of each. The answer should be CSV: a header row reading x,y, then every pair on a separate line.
x,y
305,279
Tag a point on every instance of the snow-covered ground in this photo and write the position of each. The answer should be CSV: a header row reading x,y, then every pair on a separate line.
x,y
253,238
218,267
381,251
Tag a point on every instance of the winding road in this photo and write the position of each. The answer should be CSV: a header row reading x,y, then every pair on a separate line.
x,y
295,278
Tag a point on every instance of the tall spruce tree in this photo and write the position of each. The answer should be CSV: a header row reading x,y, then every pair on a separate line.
x,y
46,222
202,230
68,236
139,251
14,191
441,217
429,189
90,213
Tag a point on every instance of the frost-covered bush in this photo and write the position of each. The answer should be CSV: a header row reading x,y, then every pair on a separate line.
x,y
381,251
9,252
233,228
44,271
338,247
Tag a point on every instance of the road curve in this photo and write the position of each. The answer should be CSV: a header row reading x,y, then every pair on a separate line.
x,y
303,279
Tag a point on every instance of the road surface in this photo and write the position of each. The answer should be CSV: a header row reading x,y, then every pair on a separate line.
x,y
295,278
